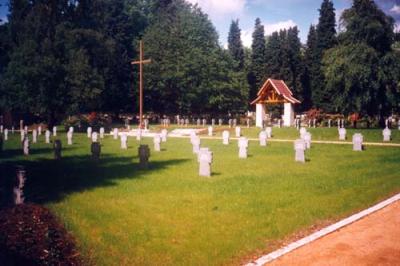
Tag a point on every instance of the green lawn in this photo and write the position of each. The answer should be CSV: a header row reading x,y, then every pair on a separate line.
x,y
168,215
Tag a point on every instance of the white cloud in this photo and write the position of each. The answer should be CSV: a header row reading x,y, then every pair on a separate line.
x,y
247,37
395,9
216,8
270,28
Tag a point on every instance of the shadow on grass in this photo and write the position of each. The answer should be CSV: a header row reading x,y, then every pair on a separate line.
x,y
10,153
51,180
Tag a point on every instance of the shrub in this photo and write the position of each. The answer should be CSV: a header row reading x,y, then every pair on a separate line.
x,y
31,235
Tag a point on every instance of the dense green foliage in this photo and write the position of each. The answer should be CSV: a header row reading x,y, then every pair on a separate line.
x,y
362,71
66,57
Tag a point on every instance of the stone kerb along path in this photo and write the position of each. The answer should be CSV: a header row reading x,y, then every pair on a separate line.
x,y
370,237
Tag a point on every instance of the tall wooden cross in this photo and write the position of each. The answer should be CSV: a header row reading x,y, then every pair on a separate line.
x,y
141,62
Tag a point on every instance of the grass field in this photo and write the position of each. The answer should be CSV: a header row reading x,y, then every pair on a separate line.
x,y
168,215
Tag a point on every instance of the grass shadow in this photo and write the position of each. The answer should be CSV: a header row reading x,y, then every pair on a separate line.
x,y
51,180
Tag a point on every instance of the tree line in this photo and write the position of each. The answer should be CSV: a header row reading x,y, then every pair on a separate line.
x,y
64,57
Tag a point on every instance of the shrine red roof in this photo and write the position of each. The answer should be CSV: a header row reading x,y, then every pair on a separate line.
x,y
280,87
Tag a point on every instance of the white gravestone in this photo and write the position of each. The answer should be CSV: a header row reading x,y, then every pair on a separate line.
x,y
89,132
94,137
69,137
338,123
329,123
342,134
54,131
22,135
303,131
387,133
124,139
237,132
71,129
398,124
26,130
205,160
192,136
39,130
230,123
139,134
225,137
212,122
220,122
157,141
307,139
198,122
210,131
102,132
268,130
243,143
315,123
26,146
34,136
196,144
263,138
115,133
164,134
47,136
204,122
299,147
6,134
248,122
357,142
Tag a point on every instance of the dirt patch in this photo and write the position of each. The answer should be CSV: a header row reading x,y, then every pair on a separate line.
x,y
374,240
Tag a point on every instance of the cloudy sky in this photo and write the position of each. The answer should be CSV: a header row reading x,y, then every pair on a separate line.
x,y
275,14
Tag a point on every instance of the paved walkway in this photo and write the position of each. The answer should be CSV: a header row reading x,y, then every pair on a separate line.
x,y
373,240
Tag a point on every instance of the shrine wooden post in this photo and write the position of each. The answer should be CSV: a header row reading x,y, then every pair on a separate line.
x,y
141,62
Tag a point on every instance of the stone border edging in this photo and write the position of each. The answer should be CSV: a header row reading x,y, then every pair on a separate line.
x,y
323,232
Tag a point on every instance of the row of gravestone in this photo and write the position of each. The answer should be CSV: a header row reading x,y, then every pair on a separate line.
x,y
203,122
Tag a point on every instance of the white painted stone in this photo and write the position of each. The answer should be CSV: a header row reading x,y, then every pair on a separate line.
x,y
94,137
263,138
115,133
357,142
299,147
288,115
157,142
34,136
22,135
47,136
260,115
138,134
268,130
210,131
71,129
387,133
124,140
342,134
6,134
243,144
237,132
69,137
26,146
54,131
225,137
101,132
89,132
307,139
205,160
39,130
196,144
164,134
303,132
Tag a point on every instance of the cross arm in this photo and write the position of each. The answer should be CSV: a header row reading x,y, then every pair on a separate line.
x,y
141,62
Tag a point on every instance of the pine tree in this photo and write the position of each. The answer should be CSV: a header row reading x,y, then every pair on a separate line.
x,y
273,56
257,74
235,45
311,67
326,39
